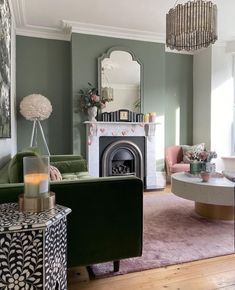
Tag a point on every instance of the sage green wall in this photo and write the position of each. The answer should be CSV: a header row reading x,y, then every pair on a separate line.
x,y
43,66
85,51
168,82
179,94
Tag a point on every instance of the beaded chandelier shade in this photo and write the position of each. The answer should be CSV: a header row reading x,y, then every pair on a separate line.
x,y
192,25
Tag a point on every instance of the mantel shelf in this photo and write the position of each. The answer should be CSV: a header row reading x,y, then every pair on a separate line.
x,y
121,123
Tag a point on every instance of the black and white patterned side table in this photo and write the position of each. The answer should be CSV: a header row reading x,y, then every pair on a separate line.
x,y
33,248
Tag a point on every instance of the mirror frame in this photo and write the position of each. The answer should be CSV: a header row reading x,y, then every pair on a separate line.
x,y
134,58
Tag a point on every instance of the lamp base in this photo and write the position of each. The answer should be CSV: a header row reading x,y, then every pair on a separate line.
x,y
36,204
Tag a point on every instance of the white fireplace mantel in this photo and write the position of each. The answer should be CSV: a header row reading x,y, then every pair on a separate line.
x,y
94,130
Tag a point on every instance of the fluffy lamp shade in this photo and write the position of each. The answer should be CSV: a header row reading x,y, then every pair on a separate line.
x,y
35,107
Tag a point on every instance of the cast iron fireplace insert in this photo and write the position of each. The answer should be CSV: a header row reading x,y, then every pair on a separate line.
x,y
122,156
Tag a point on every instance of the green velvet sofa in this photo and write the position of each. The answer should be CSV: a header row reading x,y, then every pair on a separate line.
x,y
106,222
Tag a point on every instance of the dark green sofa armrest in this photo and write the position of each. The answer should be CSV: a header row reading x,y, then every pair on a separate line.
x,y
106,222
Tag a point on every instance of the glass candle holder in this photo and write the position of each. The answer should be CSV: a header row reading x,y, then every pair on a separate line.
x,y
36,176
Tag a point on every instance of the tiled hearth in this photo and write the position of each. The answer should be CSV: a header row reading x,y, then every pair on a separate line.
x,y
124,130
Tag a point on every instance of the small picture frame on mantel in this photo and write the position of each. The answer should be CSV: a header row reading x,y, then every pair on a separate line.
x,y
123,115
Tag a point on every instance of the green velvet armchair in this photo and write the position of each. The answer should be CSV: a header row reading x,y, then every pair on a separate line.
x,y
106,222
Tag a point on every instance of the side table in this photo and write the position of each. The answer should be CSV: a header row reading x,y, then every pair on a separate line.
x,y
33,248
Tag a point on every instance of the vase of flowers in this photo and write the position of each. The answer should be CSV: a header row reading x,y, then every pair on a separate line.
x,y
90,102
92,113
195,162
195,167
206,157
201,161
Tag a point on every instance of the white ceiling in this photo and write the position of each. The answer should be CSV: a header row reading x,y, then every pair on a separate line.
x,y
137,19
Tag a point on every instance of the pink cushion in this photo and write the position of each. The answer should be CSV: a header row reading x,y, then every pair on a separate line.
x,y
179,167
55,173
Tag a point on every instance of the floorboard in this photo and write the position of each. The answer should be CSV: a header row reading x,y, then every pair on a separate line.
x,y
210,274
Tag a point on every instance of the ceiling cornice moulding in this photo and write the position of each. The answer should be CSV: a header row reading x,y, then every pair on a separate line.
x,y
110,31
42,32
67,27
23,28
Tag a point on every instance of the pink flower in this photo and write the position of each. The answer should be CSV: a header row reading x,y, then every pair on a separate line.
x,y
95,98
203,155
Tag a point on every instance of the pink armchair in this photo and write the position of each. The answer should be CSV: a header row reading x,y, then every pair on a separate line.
x,y
174,160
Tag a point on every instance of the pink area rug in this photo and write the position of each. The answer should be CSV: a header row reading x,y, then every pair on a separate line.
x,y
174,234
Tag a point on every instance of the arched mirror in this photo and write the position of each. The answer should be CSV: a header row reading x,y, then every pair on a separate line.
x,y
120,80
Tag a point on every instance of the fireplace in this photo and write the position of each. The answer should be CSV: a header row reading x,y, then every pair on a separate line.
x,y
122,156
124,148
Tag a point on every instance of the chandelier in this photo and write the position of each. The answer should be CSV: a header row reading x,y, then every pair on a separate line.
x,y
192,25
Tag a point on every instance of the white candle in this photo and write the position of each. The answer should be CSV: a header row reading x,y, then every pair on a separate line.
x,y
36,185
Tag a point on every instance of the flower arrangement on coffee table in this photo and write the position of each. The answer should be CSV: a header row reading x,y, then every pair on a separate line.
x,y
201,156
201,161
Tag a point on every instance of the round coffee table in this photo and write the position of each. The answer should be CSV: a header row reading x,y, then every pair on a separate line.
x,y
213,199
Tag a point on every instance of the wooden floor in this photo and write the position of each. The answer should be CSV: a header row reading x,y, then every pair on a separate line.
x,y
216,273
209,274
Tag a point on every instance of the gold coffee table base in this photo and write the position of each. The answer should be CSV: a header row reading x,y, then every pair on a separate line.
x,y
213,211
34,204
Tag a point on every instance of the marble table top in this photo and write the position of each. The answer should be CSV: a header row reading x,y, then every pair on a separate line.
x,y
218,190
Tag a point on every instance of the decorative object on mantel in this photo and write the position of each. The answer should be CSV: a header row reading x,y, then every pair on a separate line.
x,y
192,25
36,108
92,113
122,115
150,117
90,101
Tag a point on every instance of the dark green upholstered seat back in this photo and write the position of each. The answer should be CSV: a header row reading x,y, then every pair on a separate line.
x,y
15,168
